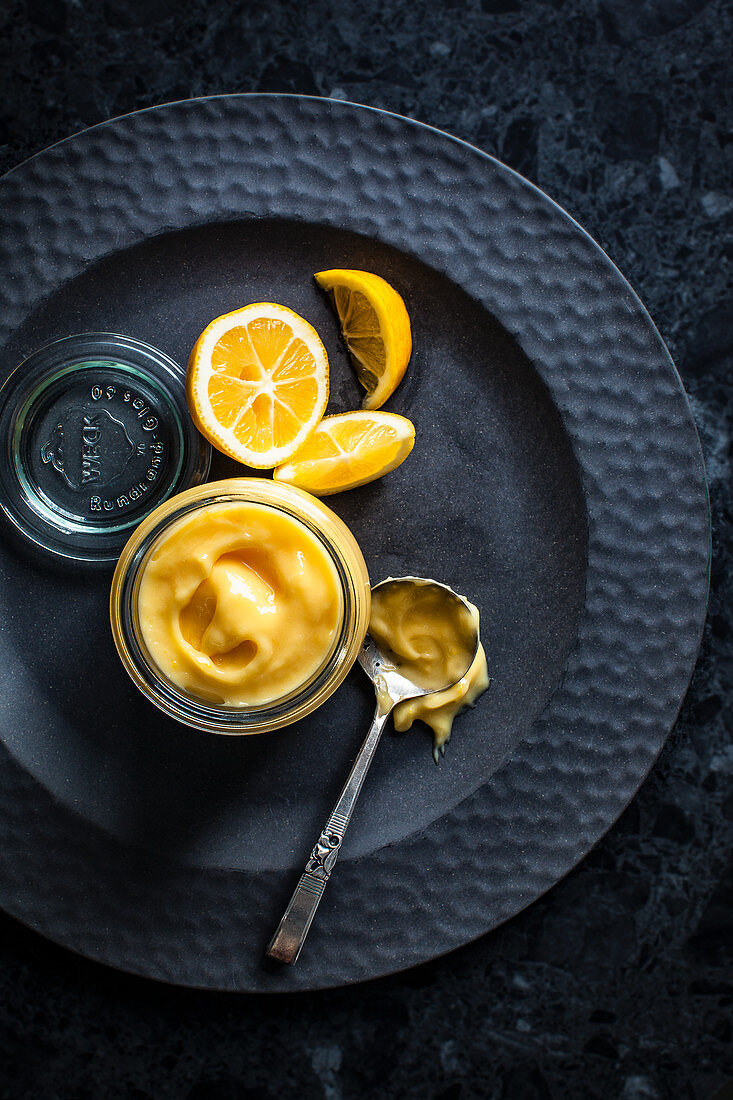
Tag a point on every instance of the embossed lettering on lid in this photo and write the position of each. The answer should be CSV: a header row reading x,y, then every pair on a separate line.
x,y
98,435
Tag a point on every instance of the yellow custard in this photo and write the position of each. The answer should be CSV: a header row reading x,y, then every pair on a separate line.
x,y
239,604
431,639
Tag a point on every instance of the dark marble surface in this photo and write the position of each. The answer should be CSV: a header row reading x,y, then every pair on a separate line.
x,y
619,983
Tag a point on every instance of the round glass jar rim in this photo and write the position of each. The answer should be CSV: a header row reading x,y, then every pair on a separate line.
x,y
350,567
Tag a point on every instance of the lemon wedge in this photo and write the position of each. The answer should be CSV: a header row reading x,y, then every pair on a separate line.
x,y
257,383
375,328
349,450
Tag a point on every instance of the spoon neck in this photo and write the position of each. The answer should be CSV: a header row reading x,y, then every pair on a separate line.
x,y
342,811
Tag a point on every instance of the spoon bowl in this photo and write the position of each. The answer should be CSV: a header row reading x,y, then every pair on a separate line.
x,y
379,665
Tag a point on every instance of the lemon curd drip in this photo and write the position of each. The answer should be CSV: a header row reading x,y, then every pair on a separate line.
x,y
239,604
431,639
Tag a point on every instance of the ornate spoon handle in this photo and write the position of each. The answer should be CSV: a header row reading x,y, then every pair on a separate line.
x,y
290,936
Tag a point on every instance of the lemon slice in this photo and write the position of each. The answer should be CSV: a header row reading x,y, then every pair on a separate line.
x,y
375,327
349,450
257,383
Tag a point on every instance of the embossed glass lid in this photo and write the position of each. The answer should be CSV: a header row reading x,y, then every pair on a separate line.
x,y
95,433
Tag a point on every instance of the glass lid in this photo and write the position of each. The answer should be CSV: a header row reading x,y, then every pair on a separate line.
x,y
95,433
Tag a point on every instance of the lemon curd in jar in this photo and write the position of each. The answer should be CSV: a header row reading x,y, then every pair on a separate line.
x,y
239,604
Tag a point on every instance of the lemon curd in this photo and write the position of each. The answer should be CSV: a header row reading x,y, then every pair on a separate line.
x,y
239,604
432,642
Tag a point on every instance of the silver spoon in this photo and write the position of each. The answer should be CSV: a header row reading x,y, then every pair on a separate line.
x,y
391,688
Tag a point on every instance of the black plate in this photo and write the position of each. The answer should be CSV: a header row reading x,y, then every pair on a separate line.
x,y
557,480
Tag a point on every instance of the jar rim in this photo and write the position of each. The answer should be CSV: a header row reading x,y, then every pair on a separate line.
x,y
351,571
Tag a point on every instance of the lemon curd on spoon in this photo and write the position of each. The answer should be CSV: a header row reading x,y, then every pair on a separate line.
x,y
239,604
431,639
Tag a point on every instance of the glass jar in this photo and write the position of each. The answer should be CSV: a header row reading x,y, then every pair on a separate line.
x,y
336,539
